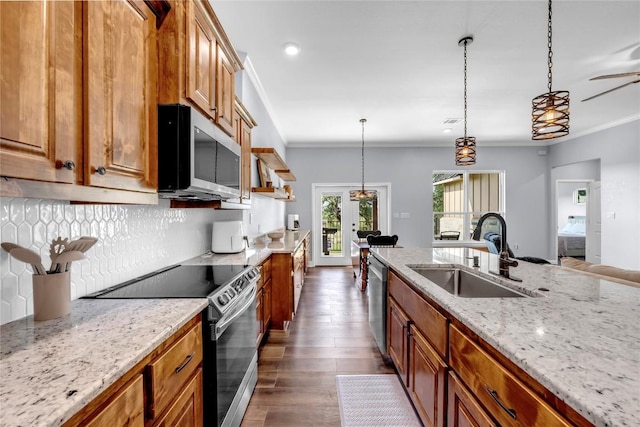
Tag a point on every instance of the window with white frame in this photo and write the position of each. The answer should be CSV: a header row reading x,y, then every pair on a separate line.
x,y
461,197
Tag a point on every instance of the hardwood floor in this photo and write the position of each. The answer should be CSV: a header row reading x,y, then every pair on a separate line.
x,y
330,335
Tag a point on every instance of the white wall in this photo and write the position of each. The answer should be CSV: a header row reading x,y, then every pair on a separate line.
x,y
618,150
266,214
409,170
566,205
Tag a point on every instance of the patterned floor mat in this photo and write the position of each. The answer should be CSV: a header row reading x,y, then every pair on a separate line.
x,y
374,401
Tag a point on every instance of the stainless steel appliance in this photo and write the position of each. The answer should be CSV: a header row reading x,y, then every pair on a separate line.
x,y
196,160
230,357
377,277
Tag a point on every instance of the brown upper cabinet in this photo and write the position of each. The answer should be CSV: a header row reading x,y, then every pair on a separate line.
x,y
120,93
243,123
197,63
41,92
78,100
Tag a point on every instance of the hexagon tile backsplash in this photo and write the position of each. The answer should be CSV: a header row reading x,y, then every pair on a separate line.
x,y
133,240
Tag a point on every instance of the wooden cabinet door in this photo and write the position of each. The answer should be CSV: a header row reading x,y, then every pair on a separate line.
x,y
397,324
125,409
298,276
463,409
201,65
266,301
245,142
40,90
225,92
260,314
187,409
120,75
307,253
427,376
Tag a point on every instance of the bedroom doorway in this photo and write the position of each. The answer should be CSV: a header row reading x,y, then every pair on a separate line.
x,y
572,211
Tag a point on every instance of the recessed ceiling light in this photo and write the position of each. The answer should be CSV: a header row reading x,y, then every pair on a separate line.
x,y
291,49
451,121
447,130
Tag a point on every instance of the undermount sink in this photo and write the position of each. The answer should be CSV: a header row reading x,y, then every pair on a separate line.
x,y
465,284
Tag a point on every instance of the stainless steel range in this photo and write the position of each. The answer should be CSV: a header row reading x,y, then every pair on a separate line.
x,y
229,329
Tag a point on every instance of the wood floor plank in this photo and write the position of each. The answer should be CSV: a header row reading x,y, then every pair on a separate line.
x,y
329,336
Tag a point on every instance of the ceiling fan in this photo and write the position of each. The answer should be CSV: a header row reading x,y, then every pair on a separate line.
x,y
611,76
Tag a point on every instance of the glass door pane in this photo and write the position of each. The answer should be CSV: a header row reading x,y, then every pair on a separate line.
x,y
332,225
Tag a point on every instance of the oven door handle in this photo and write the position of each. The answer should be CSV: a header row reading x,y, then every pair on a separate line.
x,y
225,321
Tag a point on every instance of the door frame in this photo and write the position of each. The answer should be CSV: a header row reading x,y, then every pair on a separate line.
x,y
586,182
316,223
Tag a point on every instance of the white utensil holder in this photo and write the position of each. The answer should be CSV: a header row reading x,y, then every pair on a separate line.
x,y
51,295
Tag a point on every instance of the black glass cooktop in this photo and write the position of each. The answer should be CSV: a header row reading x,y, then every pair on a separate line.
x,y
182,281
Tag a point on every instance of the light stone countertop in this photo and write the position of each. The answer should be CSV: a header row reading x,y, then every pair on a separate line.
x,y
50,370
581,339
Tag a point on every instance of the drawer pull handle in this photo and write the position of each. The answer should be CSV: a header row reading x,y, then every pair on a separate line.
x,y
185,363
494,396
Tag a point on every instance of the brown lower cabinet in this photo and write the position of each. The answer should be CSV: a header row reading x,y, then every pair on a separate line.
x,y
263,300
454,378
287,280
397,347
187,408
427,378
163,389
464,410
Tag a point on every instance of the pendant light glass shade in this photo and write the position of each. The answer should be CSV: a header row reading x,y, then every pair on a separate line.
x,y
465,146
550,114
362,194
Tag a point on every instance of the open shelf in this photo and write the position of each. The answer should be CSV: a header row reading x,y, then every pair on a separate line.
x,y
270,157
274,193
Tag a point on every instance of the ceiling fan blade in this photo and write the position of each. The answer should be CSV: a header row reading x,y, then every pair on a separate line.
x,y
611,90
610,76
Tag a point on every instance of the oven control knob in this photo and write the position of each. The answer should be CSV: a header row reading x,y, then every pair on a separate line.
x,y
231,293
223,299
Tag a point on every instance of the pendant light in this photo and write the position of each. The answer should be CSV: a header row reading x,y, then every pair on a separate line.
x,y
550,110
465,146
362,194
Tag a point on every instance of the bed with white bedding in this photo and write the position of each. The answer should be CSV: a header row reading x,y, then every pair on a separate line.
x,y
571,237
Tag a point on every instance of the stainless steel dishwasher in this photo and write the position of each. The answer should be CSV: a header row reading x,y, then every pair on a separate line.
x,y
377,277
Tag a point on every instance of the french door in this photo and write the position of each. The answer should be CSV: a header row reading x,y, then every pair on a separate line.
x,y
336,220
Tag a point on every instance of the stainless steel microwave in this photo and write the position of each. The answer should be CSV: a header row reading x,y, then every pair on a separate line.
x,y
196,159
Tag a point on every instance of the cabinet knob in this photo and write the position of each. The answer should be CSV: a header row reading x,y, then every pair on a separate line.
x,y
67,164
101,170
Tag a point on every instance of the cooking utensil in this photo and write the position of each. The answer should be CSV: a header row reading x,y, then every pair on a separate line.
x,y
82,244
7,246
64,260
56,247
30,257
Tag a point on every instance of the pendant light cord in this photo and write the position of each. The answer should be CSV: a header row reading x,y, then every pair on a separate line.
x,y
363,121
550,57
465,89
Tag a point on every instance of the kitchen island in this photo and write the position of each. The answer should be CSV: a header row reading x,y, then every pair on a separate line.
x,y
579,338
